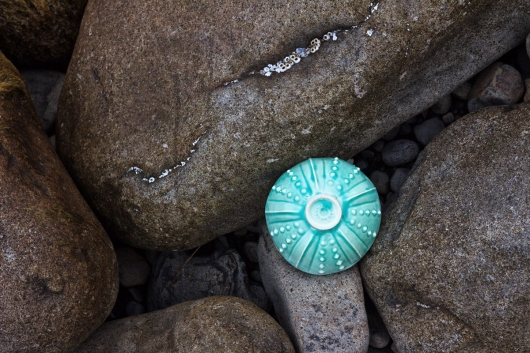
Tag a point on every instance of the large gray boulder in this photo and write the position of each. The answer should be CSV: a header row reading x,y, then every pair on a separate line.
x,y
449,270
58,271
174,136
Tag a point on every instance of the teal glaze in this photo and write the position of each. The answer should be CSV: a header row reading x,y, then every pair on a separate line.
x,y
323,215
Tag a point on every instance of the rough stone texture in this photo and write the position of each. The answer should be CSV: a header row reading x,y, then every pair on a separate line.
x,y
214,324
59,276
146,81
44,88
449,268
399,152
39,33
319,313
134,269
221,273
428,130
499,84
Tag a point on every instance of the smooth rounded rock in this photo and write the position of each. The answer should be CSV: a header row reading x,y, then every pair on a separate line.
x,y
320,313
399,152
451,259
214,324
427,131
174,136
381,182
59,275
498,84
40,33
178,277
398,178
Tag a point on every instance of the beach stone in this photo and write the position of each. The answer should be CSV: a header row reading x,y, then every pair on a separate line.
x,y
319,313
251,250
498,84
428,130
398,178
134,308
379,337
44,88
221,273
59,276
151,89
134,268
442,106
381,182
399,152
448,270
214,324
448,118
40,33
461,92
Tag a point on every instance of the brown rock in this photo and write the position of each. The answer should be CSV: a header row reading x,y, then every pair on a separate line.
x,y
146,93
449,269
40,33
59,276
499,84
214,324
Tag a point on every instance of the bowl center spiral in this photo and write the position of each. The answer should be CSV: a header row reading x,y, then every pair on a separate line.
x,y
323,211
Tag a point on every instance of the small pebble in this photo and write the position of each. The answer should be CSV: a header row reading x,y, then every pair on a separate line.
x,y
256,276
398,178
133,308
368,155
394,348
448,118
399,152
462,91
381,182
499,84
362,164
137,294
427,131
442,106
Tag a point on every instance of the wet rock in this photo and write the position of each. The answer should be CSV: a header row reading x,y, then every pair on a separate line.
x,y
468,233
214,324
499,84
134,269
44,88
381,182
221,273
428,130
398,178
442,106
40,33
59,275
399,152
320,313
151,95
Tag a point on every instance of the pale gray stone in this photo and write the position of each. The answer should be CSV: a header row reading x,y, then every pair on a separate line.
x,y
319,313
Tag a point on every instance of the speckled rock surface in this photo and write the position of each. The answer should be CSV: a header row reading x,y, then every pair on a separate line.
x,y
320,313
498,84
449,269
214,324
145,93
59,276
40,32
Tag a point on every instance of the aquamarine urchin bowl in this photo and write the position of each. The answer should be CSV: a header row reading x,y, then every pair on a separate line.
x,y
323,215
